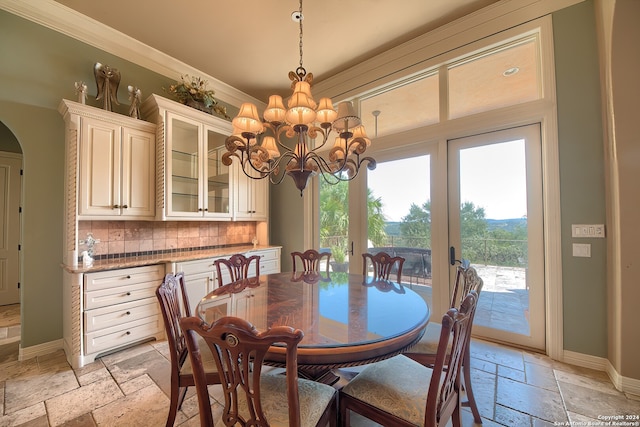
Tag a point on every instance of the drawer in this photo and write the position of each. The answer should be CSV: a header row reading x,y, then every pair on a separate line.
x,y
196,267
265,255
117,336
269,266
120,314
120,294
126,276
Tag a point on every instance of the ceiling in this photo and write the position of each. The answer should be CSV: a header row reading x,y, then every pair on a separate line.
x,y
253,44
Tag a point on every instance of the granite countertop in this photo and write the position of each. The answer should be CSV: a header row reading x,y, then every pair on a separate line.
x,y
178,256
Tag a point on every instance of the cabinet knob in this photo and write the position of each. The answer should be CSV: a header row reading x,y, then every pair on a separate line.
x,y
206,209
128,294
116,206
128,313
199,209
125,206
128,277
128,333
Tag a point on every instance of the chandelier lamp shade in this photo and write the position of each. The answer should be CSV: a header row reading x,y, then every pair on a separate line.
x,y
263,151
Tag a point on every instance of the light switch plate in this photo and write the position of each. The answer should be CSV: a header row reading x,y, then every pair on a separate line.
x,y
587,230
582,250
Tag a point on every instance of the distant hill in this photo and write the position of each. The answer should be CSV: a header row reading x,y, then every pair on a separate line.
x,y
506,224
392,228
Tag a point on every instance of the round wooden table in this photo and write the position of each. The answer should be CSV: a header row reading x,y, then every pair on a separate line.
x,y
347,319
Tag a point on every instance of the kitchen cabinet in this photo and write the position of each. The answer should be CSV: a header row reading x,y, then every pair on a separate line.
x,y
195,185
251,303
116,163
251,195
108,310
201,277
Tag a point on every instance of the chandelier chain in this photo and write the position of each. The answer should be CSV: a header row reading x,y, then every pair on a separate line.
x,y
300,43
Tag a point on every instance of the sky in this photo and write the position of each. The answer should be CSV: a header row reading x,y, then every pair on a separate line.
x,y
492,176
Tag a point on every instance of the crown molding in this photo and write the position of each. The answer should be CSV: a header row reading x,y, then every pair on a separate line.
x,y
64,20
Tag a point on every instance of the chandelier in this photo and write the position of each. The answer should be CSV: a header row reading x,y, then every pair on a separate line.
x,y
262,152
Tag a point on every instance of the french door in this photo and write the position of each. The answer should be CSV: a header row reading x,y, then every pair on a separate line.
x,y
495,221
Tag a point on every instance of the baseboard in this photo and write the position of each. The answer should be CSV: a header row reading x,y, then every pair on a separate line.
x,y
585,360
26,353
629,386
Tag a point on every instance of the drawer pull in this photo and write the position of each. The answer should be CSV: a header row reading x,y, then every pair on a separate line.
x,y
128,277
128,294
128,313
128,333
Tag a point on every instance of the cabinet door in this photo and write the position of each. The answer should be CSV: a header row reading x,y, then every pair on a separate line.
x,y
218,185
251,195
183,165
198,285
99,158
138,173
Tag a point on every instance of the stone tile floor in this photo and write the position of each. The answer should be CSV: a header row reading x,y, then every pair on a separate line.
x,y
130,388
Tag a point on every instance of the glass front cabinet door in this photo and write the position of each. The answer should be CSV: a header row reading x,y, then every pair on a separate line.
x,y
197,183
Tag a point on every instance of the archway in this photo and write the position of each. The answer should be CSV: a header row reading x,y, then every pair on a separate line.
x,y
10,235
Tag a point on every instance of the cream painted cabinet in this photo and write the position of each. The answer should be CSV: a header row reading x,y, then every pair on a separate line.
x,y
195,183
108,310
201,276
116,162
251,195
117,171
199,279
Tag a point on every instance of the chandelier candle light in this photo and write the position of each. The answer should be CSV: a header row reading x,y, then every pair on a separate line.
x,y
304,120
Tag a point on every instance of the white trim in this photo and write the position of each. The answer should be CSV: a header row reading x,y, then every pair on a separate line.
x,y
62,19
26,353
629,386
585,360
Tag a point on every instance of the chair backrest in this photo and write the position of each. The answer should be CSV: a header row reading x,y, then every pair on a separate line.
x,y
239,350
467,280
383,265
310,260
237,268
444,393
174,305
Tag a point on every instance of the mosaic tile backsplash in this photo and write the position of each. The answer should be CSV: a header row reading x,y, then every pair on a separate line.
x,y
118,238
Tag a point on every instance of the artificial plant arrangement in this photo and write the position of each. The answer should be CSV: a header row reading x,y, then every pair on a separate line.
x,y
192,91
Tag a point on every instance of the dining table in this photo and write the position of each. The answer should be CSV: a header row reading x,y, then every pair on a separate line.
x,y
347,319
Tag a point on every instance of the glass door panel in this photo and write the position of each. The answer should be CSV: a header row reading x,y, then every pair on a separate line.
x,y
399,218
217,175
334,223
185,166
495,194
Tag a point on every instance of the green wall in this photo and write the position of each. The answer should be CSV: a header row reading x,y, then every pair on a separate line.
x,y
38,68
582,180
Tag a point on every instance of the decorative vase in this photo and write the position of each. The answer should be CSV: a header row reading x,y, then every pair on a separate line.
x,y
198,105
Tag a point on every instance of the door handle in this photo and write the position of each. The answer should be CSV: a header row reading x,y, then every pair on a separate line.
x,y
452,256
351,251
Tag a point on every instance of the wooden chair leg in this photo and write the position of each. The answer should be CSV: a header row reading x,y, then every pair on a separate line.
x,y
471,400
177,397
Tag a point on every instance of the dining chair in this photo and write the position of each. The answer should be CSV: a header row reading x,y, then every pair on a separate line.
x,y
401,392
425,351
383,264
174,305
237,268
310,260
253,397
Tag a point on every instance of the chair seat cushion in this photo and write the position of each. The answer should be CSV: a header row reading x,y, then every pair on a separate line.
x,y
428,344
397,385
208,362
314,398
